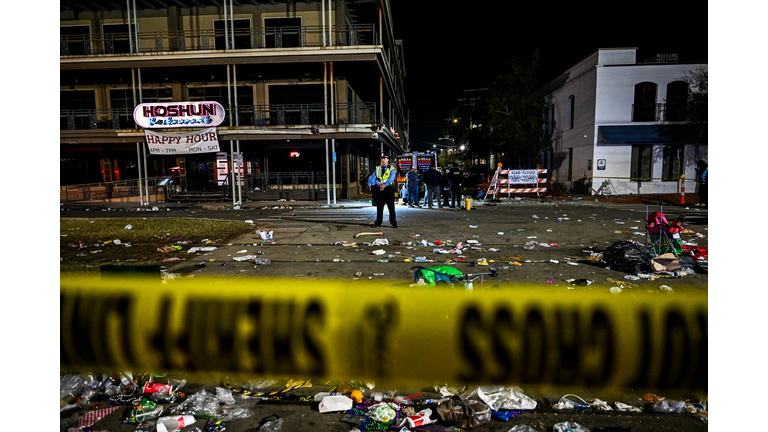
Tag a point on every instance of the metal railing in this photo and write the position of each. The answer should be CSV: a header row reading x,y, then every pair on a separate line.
x,y
206,40
160,188
659,112
248,115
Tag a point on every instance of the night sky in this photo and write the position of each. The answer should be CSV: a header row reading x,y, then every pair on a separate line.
x,y
454,46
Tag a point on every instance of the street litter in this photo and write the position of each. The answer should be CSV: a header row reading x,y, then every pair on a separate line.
x,y
665,262
335,403
202,249
379,252
379,242
567,404
245,257
128,227
569,426
615,290
369,233
666,288
580,282
624,407
507,398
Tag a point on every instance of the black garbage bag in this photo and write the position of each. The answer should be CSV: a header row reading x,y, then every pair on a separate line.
x,y
624,256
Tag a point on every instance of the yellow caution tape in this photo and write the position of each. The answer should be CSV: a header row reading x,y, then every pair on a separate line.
x,y
339,330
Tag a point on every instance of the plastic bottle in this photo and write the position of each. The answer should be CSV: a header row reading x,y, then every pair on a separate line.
x,y
174,423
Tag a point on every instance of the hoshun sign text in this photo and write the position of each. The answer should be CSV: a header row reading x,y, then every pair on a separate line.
x,y
179,114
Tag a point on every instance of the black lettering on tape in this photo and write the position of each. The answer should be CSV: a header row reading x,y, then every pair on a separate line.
x,y
567,335
162,341
470,330
254,341
676,357
314,324
601,340
280,329
86,326
503,331
534,347
380,320
642,380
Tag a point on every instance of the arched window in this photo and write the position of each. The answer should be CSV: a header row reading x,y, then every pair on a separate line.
x,y
644,108
677,101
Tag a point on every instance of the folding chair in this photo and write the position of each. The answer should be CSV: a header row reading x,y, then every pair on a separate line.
x,y
663,236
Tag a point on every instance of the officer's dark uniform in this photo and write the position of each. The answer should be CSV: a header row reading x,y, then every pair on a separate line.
x,y
455,177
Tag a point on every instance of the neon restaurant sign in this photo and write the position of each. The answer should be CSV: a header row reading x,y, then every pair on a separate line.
x,y
179,114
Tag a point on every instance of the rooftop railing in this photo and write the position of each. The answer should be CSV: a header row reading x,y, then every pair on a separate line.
x,y
206,40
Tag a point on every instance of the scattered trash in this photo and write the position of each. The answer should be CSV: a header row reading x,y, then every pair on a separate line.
x,y
174,423
464,414
615,290
569,426
272,426
624,256
128,227
369,233
624,407
508,398
666,288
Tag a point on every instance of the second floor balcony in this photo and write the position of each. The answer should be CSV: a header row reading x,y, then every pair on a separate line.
x,y
247,115
208,40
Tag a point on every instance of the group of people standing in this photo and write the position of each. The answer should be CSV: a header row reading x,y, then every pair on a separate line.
x,y
441,187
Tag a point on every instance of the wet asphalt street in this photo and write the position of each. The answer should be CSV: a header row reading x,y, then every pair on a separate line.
x,y
531,243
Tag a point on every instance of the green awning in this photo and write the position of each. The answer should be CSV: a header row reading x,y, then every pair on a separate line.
x,y
639,134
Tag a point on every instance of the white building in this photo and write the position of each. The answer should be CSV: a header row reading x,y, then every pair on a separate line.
x,y
610,119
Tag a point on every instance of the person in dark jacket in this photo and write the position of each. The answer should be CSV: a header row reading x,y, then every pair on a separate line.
x,y
455,176
445,189
412,181
432,179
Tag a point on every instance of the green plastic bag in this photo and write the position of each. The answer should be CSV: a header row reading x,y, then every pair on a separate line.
x,y
434,275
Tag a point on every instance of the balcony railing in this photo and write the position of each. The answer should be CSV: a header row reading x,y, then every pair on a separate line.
x,y
206,40
247,115
658,112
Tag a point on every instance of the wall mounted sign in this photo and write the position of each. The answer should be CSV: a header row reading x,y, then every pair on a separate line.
x,y
601,164
179,114
204,141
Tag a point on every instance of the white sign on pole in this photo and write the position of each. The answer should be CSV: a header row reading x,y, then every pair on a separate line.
x,y
204,141
523,176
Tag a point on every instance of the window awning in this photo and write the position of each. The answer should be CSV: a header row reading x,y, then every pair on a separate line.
x,y
639,134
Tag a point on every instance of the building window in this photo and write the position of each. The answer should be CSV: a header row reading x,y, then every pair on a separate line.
x,y
642,161
677,101
209,94
242,30
75,40
116,38
78,103
282,32
121,101
571,111
672,164
300,104
644,108
156,95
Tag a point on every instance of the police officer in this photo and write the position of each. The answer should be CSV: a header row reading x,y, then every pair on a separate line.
x,y
455,176
385,182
